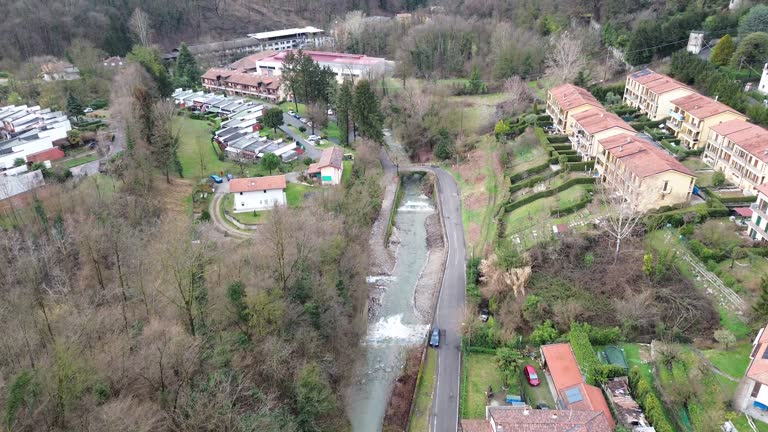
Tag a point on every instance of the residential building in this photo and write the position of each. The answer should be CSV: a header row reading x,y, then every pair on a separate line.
x,y
345,66
258,193
763,86
250,63
645,175
526,419
236,83
330,167
754,400
17,184
59,70
627,410
46,156
758,223
114,62
566,100
740,150
573,393
224,52
652,93
695,42
592,125
29,130
692,116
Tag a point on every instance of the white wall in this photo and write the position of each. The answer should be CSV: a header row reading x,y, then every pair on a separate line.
x,y
6,161
333,173
259,200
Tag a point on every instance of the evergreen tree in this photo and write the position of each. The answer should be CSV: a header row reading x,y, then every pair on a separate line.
x,y
752,50
306,80
344,102
476,85
367,113
273,118
270,161
186,67
761,307
723,51
74,108
150,60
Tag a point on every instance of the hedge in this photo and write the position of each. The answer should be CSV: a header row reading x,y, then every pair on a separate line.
x,y
734,199
585,353
623,111
580,166
562,147
481,350
642,390
699,213
529,172
600,92
555,139
530,181
573,208
641,125
549,192
541,135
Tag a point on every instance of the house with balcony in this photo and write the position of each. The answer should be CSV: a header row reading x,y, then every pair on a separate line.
x,y
692,117
592,125
652,92
758,224
645,175
740,150
236,83
566,100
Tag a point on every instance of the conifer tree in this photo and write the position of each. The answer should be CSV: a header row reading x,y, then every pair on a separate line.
x,y
723,51
367,113
344,107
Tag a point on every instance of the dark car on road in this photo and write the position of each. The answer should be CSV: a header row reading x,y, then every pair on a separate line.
x,y
434,340
531,376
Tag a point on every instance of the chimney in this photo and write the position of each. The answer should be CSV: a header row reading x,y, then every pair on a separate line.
x,y
554,415
526,411
717,97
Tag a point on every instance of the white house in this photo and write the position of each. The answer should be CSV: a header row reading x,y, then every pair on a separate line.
x,y
754,399
758,224
258,193
330,168
763,86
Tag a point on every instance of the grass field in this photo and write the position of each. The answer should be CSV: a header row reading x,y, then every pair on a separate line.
x,y
332,131
196,153
290,106
734,362
423,399
295,194
536,213
481,372
71,163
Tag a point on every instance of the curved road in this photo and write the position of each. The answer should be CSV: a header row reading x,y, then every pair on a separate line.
x,y
444,416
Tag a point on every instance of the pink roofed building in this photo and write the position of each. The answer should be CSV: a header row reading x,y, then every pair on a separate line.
x,y
740,150
344,65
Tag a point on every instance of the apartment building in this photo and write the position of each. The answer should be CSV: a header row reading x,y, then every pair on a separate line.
x,y
344,65
758,224
692,117
566,100
592,125
645,175
236,83
740,150
652,92
29,130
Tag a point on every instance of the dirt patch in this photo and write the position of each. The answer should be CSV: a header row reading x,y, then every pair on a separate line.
x,y
474,232
399,406
476,201
471,170
431,277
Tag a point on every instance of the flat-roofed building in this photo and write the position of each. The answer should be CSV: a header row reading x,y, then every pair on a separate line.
x,y
692,116
740,150
652,92
564,101
643,174
592,125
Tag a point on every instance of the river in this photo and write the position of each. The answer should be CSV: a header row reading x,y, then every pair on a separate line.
x,y
397,325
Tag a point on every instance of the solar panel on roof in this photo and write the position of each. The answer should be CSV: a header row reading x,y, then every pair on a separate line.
x,y
573,395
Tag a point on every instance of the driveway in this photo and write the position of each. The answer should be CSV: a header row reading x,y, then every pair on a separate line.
x,y
86,169
309,148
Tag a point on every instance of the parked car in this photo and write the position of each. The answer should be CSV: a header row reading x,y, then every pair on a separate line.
x,y
330,112
88,110
531,376
484,315
434,340
290,112
216,179
313,138
303,120
296,116
230,177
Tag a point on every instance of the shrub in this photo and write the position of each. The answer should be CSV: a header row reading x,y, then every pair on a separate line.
x,y
718,179
205,216
302,129
604,335
585,353
545,333
580,166
531,171
554,139
473,277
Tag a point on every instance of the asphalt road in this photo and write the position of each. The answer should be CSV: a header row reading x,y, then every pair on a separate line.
x,y
450,304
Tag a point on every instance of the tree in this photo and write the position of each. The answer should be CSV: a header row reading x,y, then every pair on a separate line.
x,y
273,118
752,51
501,130
314,398
444,148
165,140
187,70
725,337
545,333
475,85
18,162
508,360
344,108
367,113
761,307
74,108
723,51
565,58
621,218
270,161
317,113
150,59
141,27
718,178
756,20
307,81
518,96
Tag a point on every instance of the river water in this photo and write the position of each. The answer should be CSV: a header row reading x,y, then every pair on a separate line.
x,y
397,325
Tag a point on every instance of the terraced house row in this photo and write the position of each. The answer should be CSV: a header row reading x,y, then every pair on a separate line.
x,y
731,144
632,167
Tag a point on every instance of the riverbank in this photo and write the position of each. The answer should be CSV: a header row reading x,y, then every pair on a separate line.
x,y
425,295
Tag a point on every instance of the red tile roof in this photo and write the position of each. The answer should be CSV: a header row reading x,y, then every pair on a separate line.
x,y
216,73
253,184
656,82
532,420
566,377
331,57
758,369
763,188
750,137
248,79
641,157
702,107
743,211
250,62
596,120
46,155
476,426
569,96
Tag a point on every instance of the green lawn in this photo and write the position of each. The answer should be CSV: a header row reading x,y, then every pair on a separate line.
x,y
481,371
196,153
286,106
734,362
536,213
747,272
295,193
347,173
332,131
742,425
423,399
71,163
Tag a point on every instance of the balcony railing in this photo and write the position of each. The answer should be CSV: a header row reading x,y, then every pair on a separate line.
x,y
675,115
691,126
761,211
759,230
673,125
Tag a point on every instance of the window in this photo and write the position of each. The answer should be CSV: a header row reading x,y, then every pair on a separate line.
x,y
265,191
666,186
241,193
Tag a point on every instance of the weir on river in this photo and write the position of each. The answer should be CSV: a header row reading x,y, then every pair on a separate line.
x,y
397,326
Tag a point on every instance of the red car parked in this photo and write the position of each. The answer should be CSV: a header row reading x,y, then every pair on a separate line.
x,y
530,375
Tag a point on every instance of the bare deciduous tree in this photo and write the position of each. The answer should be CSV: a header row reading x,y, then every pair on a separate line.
x,y
565,58
621,218
517,94
141,27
